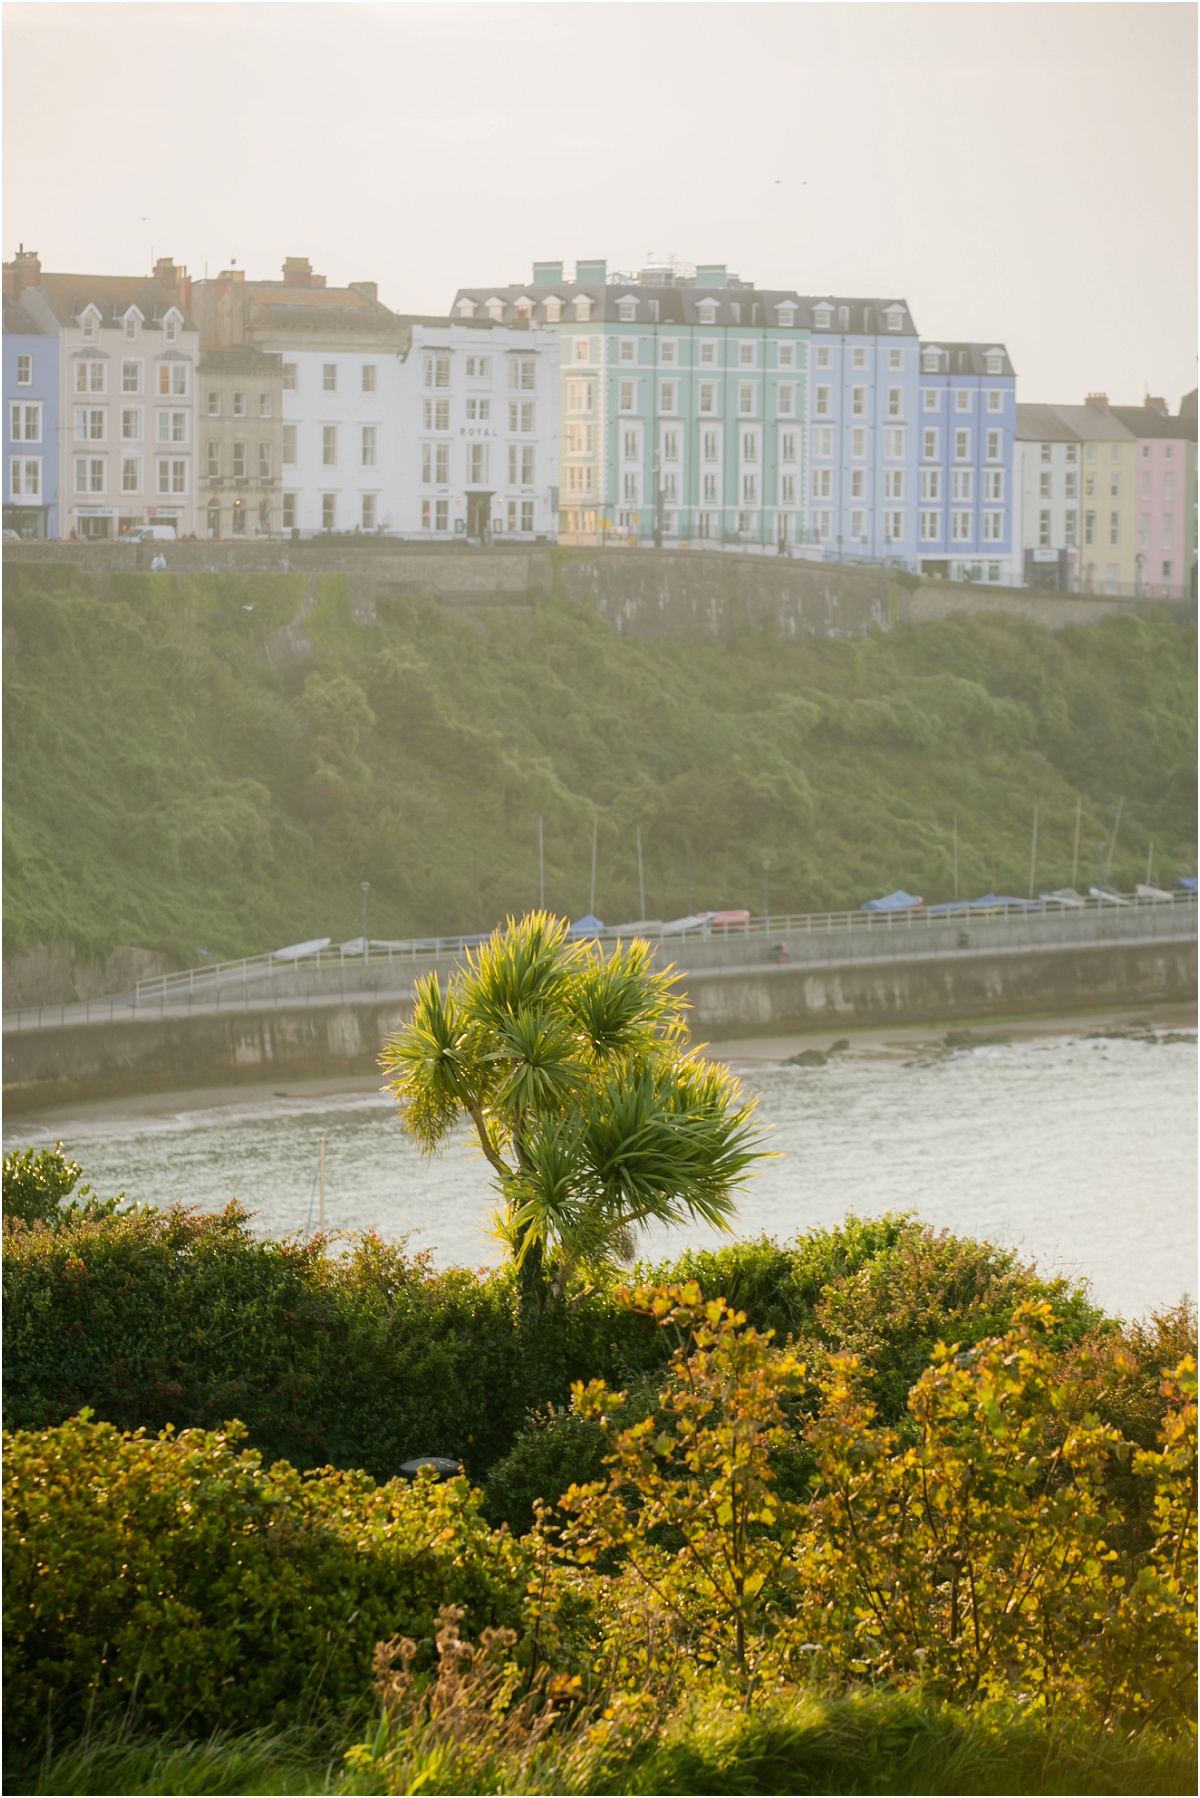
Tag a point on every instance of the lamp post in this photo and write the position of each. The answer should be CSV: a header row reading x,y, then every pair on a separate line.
x,y
366,888
766,895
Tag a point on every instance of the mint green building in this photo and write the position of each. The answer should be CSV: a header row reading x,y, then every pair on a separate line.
x,y
684,402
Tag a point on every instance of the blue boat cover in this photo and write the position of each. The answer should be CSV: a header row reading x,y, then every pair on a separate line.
x,y
589,926
898,901
1186,883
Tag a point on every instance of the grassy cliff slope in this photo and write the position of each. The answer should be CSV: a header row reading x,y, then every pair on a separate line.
x,y
167,787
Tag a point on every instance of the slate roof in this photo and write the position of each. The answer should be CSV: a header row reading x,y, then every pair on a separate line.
x,y
967,358
740,306
69,295
243,359
18,321
866,316
1147,421
1044,424
276,305
1095,424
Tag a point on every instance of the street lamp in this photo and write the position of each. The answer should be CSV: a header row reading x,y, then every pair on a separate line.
x,y
767,895
366,888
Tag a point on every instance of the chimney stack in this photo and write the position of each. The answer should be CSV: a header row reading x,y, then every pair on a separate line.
x,y
1157,405
1097,399
25,270
297,272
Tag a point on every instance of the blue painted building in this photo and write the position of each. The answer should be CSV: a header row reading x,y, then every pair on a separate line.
x,y
966,502
31,413
862,418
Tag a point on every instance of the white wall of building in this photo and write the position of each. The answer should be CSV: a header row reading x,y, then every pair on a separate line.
x,y
378,440
340,464
478,412
1050,505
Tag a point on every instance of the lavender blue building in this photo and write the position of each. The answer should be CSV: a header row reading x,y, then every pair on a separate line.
x,y
30,424
863,417
965,450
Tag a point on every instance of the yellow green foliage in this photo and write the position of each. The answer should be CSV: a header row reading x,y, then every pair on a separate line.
x,y
180,1580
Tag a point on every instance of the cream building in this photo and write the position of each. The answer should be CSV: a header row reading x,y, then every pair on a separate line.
x,y
128,355
240,423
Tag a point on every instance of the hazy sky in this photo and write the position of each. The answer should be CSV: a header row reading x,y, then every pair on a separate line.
x,y
1023,173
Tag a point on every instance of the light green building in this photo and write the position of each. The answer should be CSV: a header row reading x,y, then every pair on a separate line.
x,y
684,402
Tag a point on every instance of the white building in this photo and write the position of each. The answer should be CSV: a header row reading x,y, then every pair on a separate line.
x,y
1049,478
478,431
128,354
417,427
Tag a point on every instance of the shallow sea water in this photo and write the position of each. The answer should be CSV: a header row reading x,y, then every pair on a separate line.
x,y
1079,1153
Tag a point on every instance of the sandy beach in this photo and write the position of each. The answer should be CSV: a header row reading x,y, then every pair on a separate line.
x,y
742,1052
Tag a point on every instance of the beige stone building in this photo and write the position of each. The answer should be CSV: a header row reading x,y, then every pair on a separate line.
x,y
128,354
240,426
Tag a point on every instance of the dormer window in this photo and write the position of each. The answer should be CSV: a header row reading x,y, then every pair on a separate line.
x,y
583,308
467,308
895,317
523,309
627,311
495,309
553,311
843,318
90,323
993,362
706,312
133,324
929,361
787,316
171,324
822,317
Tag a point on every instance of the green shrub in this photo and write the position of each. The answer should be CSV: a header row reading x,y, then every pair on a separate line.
x,y
179,1582
371,1357
36,1181
555,1449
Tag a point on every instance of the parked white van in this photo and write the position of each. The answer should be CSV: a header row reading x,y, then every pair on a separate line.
x,y
150,533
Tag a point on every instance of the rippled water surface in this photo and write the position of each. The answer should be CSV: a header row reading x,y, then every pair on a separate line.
x,y
1081,1153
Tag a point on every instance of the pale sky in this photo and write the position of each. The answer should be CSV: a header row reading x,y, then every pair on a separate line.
x,y
1018,173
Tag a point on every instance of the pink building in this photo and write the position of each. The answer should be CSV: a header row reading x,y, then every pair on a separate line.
x,y
1163,500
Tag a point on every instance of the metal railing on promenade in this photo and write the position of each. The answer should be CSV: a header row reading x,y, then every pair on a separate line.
x,y
389,970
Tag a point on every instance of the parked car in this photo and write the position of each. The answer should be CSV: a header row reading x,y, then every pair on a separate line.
x,y
12,536
149,533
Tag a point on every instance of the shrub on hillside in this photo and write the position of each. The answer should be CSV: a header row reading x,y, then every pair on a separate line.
x,y
179,1582
367,1358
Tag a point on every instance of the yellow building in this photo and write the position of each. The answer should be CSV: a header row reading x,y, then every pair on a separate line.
x,y
1108,535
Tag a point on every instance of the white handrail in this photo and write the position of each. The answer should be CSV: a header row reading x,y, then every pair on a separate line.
x,y
429,950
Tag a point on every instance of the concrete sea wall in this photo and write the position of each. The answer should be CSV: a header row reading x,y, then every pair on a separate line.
x,y
65,1064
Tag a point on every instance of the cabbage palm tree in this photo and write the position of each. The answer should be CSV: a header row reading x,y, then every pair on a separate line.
x,y
573,1070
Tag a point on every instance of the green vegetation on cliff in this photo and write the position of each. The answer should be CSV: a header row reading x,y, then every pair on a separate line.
x,y
167,786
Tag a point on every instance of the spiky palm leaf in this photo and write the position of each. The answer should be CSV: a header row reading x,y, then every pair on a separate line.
x,y
430,1075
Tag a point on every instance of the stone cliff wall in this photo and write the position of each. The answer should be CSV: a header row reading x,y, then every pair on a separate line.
x,y
681,594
